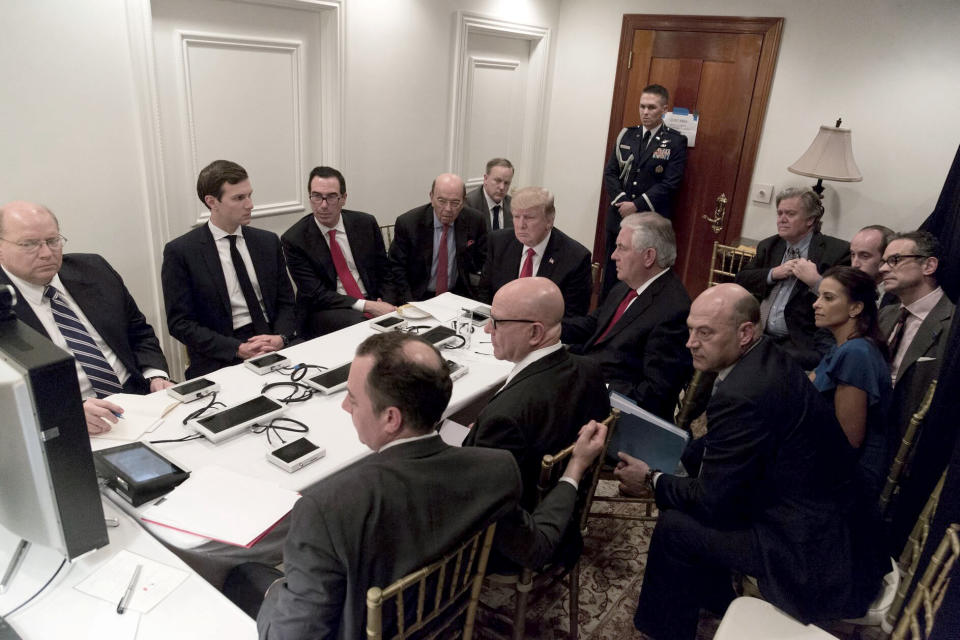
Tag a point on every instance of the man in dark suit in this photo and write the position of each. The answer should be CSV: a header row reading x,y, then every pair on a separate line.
x,y
866,253
644,171
771,492
337,259
225,284
786,272
492,199
525,416
81,304
421,269
407,503
637,334
534,247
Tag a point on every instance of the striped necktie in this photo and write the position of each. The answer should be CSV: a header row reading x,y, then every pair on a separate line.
x,y
102,376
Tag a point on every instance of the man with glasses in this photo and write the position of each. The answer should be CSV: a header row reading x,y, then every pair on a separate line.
x,y
638,332
82,305
439,246
784,276
549,393
225,284
918,327
337,259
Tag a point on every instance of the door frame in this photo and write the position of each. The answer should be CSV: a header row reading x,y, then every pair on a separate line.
x,y
770,29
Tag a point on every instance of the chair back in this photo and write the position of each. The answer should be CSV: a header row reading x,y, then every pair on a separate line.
x,y
439,590
550,475
928,594
693,401
727,262
904,451
386,230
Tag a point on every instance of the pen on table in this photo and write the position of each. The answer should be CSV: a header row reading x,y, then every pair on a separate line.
x,y
163,416
125,600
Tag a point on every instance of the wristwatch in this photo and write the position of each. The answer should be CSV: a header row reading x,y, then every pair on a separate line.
x,y
649,477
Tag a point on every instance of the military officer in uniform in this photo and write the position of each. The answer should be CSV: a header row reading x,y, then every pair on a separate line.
x,y
644,170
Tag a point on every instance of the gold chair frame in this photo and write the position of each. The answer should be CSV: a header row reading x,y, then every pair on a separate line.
x,y
727,262
448,601
929,592
905,450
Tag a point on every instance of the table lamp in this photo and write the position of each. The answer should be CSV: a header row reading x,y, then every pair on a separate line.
x,y
830,157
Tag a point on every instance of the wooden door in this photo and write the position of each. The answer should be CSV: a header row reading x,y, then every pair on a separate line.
x,y
721,68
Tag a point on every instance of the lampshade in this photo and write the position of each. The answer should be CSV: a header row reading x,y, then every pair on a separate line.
x,y
830,157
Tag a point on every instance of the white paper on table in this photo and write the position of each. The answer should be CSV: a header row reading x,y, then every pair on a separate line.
x,y
444,307
223,505
109,582
453,433
88,618
140,414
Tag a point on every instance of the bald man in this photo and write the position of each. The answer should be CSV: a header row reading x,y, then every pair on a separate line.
x,y
80,303
439,246
549,393
771,492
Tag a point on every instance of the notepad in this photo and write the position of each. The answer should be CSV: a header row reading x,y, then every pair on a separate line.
x,y
223,505
643,435
155,582
141,414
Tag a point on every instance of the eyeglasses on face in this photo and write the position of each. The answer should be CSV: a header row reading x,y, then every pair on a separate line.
x,y
895,259
454,204
497,321
33,246
329,198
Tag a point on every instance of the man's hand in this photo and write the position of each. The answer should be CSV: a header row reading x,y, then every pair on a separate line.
x,y
587,448
632,474
783,271
258,345
378,307
100,415
626,208
158,384
806,272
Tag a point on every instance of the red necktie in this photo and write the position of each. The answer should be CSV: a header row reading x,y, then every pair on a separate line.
x,y
527,270
619,314
443,270
343,271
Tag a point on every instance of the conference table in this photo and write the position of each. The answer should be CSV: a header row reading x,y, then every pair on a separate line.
x,y
330,427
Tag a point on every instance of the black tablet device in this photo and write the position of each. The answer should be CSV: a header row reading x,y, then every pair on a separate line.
x,y
332,380
138,472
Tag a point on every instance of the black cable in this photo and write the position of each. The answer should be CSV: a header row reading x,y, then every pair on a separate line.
x,y
300,393
199,412
194,436
273,426
300,371
28,600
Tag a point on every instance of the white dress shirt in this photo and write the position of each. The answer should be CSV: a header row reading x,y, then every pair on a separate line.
x,y
539,248
33,295
238,305
344,245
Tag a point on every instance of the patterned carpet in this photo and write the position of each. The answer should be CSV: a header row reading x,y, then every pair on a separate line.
x,y
612,567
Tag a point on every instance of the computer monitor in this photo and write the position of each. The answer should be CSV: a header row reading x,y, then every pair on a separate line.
x,y
49,486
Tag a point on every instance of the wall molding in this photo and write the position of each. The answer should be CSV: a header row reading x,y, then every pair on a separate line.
x,y
535,104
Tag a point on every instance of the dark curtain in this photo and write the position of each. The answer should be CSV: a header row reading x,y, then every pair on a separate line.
x,y
938,444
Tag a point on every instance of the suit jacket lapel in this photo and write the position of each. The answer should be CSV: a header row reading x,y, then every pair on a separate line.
x,y
651,146
547,262
513,258
316,245
358,247
541,365
614,298
23,309
426,248
814,253
208,249
635,310
927,334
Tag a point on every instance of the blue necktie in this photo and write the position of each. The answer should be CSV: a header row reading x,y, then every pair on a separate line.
x,y
102,376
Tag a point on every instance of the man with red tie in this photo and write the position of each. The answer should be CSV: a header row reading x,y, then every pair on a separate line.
x,y
439,246
337,259
638,334
534,247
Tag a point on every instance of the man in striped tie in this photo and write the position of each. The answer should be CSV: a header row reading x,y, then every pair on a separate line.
x,y
82,305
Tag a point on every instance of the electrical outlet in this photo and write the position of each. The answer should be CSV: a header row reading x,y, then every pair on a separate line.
x,y
762,193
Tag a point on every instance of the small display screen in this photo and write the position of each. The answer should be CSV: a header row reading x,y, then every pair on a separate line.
x,y
438,334
454,366
193,386
330,379
140,463
269,359
389,322
245,412
296,449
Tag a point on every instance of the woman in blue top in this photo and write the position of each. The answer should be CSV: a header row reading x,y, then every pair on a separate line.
x,y
855,374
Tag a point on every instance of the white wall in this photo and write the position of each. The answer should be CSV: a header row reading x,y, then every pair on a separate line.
x,y
888,67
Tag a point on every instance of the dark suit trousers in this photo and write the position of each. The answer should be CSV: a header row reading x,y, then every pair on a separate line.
x,y
688,567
